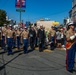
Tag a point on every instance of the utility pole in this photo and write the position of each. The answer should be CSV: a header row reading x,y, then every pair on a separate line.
x,y
20,11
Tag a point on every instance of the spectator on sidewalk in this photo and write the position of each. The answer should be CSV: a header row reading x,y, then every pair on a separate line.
x,y
58,38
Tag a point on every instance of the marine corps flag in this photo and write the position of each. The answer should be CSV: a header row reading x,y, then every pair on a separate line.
x,y
20,3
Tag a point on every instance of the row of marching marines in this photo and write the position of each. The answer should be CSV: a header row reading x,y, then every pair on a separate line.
x,y
18,37
34,36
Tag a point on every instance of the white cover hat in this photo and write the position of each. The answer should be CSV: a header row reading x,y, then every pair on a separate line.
x,y
10,25
70,23
41,25
25,27
4,24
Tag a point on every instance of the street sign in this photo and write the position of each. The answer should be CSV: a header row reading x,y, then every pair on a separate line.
x,y
20,10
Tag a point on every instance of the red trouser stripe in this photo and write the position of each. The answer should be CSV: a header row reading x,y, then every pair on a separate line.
x,y
67,59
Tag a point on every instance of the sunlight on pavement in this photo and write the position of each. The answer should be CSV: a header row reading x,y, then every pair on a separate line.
x,y
47,50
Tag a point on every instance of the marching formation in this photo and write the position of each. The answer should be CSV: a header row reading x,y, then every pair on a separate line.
x,y
33,36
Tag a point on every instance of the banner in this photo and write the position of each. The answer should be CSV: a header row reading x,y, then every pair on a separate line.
x,y
20,3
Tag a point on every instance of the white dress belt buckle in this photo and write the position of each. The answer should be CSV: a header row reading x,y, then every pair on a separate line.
x,y
8,37
17,35
25,38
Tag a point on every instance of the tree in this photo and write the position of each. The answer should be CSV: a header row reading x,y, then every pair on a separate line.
x,y
2,17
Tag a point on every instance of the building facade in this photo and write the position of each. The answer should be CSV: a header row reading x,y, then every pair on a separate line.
x,y
72,13
46,24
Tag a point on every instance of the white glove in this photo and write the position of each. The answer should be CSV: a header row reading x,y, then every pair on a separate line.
x,y
72,37
75,34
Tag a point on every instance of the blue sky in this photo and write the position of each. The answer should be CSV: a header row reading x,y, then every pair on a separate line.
x,y
56,10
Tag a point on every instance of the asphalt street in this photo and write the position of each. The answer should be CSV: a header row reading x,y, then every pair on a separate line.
x,y
34,63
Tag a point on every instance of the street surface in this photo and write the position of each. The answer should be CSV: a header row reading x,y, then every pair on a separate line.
x,y
34,63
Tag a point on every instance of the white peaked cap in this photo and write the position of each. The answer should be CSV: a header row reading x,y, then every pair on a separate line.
x,y
25,27
4,24
15,28
10,25
41,25
70,23
32,26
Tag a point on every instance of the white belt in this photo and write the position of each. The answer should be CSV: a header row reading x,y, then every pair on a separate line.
x,y
8,37
24,38
3,34
17,35
52,35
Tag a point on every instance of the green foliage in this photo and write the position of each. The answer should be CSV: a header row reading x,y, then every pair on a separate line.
x,y
2,17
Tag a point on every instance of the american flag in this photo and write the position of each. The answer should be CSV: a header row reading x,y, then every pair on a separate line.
x,y
23,2
20,3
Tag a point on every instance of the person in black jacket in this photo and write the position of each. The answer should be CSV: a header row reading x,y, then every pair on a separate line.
x,y
41,38
32,34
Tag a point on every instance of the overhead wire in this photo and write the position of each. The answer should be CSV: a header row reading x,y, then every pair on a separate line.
x,y
57,13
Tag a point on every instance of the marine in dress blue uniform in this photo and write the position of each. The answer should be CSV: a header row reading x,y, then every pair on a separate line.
x,y
70,47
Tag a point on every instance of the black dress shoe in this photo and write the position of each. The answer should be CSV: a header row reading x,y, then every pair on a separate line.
x,y
8,54
71,71
26,52
40,51
12,53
